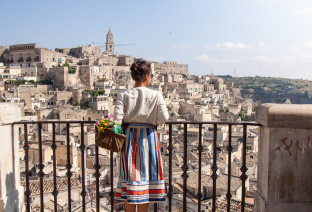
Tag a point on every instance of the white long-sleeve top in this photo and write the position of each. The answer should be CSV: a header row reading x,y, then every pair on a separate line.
x,y
142,105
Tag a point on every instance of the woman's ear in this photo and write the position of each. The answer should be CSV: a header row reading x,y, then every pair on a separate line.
x,y
146,78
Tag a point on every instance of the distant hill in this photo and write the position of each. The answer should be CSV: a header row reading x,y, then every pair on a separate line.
x,y
273,90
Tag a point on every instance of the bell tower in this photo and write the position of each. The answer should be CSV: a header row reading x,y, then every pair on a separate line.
x,y
109,42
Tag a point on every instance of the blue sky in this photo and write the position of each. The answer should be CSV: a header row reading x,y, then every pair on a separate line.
x,y
252,37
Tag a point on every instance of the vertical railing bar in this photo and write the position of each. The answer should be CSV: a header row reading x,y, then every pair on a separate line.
x,y
170,194
26,148
68,166
82,150
155,207
214,168
229,148
112,194
54,146
97,180
185,168
244,168
41,166
200,149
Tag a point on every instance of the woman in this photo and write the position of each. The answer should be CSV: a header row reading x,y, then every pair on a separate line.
x,y
141,178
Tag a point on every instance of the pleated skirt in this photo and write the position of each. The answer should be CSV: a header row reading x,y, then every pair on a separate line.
x,y
141,178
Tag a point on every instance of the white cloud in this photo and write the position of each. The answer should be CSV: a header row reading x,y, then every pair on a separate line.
x,y
206,59
227,46
230,45
304,12
263,47
302,47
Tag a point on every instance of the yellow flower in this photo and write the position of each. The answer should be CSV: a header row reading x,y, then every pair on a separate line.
x,y
105,124
101,128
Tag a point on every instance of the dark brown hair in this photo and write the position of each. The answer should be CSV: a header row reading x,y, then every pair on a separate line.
x,y
139,69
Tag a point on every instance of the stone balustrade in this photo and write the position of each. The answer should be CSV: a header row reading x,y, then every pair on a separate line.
x,y
11,191
285,158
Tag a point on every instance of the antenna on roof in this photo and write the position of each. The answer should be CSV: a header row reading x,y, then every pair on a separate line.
x,y
234,72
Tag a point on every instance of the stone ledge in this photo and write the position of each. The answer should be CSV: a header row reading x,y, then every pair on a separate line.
x,y
9,113
261,205
285,116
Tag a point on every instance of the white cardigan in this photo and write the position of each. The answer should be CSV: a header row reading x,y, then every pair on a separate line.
x,y
142,105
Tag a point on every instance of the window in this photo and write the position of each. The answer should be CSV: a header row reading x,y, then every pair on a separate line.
x,y
47,59
251,156
67,116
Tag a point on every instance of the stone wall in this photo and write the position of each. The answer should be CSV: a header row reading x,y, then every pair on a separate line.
x,y
285,168
11,191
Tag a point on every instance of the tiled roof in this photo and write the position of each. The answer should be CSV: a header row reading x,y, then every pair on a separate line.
x,y
48,185
221,206
207,181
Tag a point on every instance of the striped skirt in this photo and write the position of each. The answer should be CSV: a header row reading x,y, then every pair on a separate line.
x,y
141,178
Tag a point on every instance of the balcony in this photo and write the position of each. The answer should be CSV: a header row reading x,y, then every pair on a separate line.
x,y
284,165
20,60
36,59
28,59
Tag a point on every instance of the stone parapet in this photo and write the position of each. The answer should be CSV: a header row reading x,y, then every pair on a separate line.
x,y
285,116
11,191
285,158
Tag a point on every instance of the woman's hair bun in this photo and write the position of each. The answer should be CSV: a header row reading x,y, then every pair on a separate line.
x,y
139,69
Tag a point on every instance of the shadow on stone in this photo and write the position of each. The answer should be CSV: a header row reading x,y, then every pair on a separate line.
x,y
12,203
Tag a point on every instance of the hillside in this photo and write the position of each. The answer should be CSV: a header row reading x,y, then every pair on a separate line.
x,y
273,90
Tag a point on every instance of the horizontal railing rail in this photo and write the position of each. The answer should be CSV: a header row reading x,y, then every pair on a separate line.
x,y
97,165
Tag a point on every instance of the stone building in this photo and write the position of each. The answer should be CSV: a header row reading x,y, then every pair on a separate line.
x,y
170,67
99,103
86,74
84,51
60,76
47,153
3,50
109,43
28,55
192,88
125,60
107,60
10,72
61,155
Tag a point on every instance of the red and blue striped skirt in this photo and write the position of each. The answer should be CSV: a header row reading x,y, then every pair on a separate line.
x,y
141,178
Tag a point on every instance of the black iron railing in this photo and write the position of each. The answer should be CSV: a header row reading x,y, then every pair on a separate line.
x,y
97,166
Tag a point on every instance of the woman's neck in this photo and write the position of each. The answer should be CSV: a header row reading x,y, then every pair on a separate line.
x,y
140,84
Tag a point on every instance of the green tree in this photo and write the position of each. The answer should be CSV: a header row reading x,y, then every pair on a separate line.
x,y
101,92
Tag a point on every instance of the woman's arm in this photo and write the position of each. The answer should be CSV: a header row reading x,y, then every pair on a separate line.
x,y
162,112
119,110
